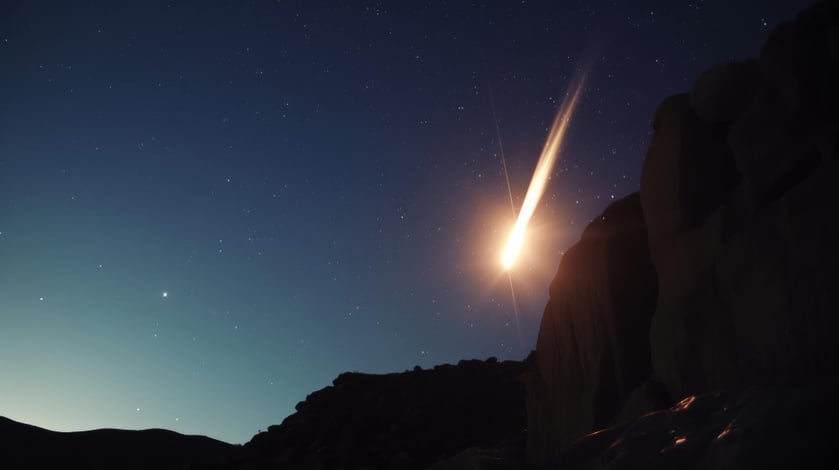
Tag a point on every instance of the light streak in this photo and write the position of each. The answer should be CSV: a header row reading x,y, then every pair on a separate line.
x,y
542,173
501,149
512,204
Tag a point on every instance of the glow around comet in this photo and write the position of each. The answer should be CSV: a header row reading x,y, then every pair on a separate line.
x,y
547,159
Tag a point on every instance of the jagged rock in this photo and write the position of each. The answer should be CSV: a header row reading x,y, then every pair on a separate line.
x,y
722,93
759,429
407,420
593,349
745,278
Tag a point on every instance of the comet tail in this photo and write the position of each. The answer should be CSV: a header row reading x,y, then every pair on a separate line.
x,y
547,159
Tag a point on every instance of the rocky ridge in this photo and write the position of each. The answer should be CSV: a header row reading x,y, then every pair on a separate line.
x,y
407,420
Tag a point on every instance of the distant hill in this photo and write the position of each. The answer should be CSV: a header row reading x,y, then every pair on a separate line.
x,y
24,446
407,421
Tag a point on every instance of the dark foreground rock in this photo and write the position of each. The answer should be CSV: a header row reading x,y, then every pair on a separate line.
x,y
761,428
593,349
738,197
740,220
768,428
404,421
25,446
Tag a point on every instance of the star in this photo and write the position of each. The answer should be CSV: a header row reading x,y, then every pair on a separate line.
x,y
165,294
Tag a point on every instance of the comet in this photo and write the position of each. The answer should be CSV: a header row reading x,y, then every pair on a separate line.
x,y
542,173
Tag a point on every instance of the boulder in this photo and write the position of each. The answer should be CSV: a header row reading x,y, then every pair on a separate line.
x,y
593,349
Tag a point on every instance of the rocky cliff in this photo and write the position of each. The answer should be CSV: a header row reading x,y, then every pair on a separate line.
x,y
736,278
593,349
737,193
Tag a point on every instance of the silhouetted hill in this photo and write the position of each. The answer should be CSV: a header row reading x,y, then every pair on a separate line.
x,y
404,421
29,447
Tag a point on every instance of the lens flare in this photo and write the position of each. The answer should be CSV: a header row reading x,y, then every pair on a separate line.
x,y
542,174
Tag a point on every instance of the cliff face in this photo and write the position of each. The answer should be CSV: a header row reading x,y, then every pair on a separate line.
x,y
593,349
737,193
724,277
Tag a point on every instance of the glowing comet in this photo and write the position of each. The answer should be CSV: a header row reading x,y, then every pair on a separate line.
x,y
542,173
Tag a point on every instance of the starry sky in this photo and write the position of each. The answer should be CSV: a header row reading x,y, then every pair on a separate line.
x,y
210,209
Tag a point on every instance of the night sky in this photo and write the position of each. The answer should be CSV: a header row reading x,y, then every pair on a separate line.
x,y
210,209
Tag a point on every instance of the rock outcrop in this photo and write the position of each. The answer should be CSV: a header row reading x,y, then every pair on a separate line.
x,y
734,278
737,191
593,347
770,428
402,421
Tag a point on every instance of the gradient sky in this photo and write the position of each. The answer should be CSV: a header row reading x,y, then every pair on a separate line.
x,y
210,209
